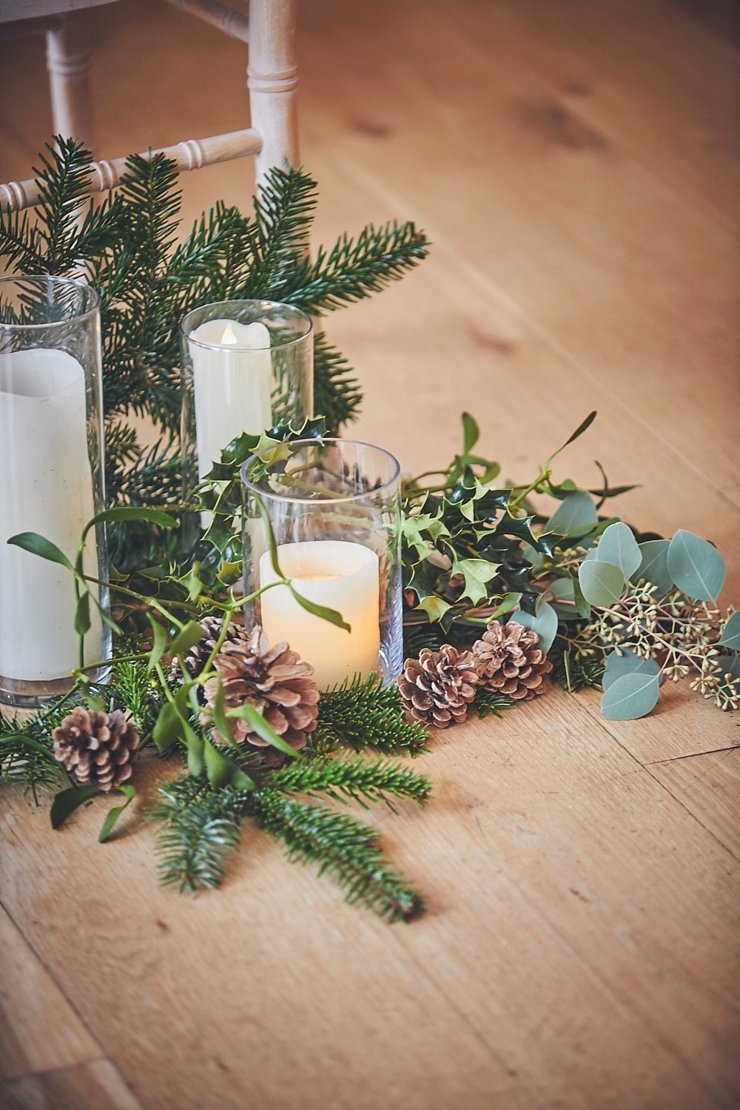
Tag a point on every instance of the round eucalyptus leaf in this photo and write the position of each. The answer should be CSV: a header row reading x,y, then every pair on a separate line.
x,y
630,697
576,514
627,663
729,664
619,547
601,583
731,632
695,566
654,565
544,622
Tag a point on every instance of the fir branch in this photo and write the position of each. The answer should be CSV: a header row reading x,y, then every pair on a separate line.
x,y
574,671
355,268
26,749
337,393
62,178
363,714
487,702
352,777
284,207
341,847
202,828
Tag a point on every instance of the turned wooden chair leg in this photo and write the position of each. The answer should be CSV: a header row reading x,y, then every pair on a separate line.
x,y
68,63
272,76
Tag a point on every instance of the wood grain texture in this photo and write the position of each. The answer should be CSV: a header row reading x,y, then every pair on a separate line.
x,y
93,1086
39,1030
575,165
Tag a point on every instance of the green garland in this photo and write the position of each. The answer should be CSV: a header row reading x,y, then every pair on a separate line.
x,y
613,609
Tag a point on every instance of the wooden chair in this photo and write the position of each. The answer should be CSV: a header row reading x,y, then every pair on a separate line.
x,y
269,30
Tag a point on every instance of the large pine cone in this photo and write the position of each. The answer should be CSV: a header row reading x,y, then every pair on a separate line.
x,y
508,659
274,680
438,687
195,658
96,748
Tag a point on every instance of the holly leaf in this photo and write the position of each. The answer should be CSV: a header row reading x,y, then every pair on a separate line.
x,y
476,572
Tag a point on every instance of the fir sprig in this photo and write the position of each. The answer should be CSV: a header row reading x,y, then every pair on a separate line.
x,y
201,830
365,714
354,778
342,847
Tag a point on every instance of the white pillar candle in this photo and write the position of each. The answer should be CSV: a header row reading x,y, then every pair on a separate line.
x,y
231,383
336,573
45,487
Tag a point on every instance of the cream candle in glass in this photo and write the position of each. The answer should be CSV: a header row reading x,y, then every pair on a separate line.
x,y
52,483
246,365
339,575
232,371
333,506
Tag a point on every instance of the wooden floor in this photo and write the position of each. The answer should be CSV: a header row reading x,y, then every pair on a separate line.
x,y
576,166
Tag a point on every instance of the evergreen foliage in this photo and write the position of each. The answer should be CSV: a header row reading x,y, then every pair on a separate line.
x,y
364,713
127,247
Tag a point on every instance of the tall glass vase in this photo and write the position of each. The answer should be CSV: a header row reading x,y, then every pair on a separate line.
x,y
51,481
333,507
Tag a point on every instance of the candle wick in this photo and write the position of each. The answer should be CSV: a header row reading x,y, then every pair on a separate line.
x,y
229,336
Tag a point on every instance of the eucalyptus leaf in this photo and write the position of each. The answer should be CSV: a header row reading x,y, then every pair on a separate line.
x,y
618,546
38,545
129,793
575,515
731,633
602,583
654,565
695,566
544,622
627,662
67,801
630,696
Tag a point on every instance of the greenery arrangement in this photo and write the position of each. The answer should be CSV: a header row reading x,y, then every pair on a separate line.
x,y
498,592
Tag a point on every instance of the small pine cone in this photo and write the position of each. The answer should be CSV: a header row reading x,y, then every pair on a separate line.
x,y
509,660
195,657
438,687
96,748
275,681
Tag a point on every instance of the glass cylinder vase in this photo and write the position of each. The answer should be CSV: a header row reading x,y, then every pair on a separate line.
x,y
247,365
51,467
333,508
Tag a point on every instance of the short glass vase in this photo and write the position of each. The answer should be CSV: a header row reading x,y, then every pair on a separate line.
x,y
51,461
333,509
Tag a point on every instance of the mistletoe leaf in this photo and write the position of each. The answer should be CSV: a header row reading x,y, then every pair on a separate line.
x,y
471,432
696,567
630,696
38,545
67,801
129,793
618,546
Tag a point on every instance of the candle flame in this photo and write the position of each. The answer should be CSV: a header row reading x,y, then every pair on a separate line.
x,y
229,339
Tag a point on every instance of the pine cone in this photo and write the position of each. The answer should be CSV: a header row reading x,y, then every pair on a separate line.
x,y
96,747
438,687
274,680
195,657
508,659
